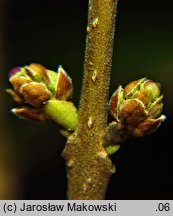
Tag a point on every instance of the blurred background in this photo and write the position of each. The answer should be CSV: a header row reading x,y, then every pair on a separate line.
x,y
53,32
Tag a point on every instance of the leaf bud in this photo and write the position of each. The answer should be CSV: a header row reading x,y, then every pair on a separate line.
x,y
29,113
138,107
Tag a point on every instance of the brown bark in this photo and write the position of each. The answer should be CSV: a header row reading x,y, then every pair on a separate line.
x,y
89,167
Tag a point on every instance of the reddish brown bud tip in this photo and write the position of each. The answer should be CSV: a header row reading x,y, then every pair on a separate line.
x,y
132,87
29,113
17,82
144,96
37,72
147,127
64,88
35,94
115,102
156,108
133,112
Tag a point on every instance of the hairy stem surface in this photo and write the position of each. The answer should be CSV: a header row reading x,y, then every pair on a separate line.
x,y
89,167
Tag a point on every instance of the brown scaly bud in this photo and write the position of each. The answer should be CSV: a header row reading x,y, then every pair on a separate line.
x,y
34,85
64,87
38,73
35,94
27,89
138,107
35,114
19,78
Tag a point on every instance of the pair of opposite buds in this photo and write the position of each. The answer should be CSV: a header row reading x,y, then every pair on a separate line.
x,y
45,94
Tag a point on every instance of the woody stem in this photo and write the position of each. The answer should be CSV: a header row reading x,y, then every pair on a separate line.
x,y
89,167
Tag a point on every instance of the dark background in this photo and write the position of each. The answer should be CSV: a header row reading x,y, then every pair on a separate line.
x,y
53,32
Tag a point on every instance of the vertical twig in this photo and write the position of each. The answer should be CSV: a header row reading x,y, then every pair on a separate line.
x,y
89,167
